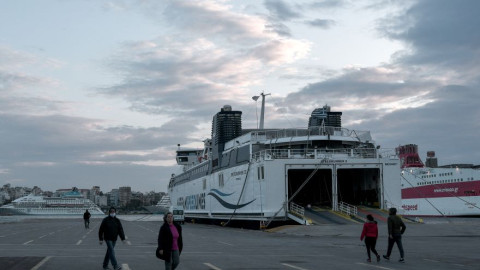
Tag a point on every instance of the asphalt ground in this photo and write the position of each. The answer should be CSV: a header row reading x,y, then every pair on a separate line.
x,y
41,244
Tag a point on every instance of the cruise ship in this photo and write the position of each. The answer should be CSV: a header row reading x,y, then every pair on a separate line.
x,y
270,175
161,207
428,190
70,203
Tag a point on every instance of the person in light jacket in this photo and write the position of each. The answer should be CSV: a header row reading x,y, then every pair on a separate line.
x,y
170,242
370,233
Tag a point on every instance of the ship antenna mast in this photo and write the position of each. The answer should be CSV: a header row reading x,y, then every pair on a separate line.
x,y
262,112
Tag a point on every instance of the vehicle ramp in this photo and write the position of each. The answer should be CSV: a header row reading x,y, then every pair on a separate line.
x,y
322,216
381,215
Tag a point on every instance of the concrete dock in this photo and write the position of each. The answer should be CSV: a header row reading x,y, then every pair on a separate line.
x,y
64,243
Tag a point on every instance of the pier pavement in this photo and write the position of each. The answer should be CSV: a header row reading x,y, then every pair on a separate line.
x,y
41,244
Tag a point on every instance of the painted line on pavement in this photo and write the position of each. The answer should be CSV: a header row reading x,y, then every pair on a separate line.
x,y
225,243
376,266
36,267
42,236
294,267
26,243
212,266
79,242
125,266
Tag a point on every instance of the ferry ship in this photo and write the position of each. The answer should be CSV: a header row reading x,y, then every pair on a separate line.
x,y
453,190
70,203
270,175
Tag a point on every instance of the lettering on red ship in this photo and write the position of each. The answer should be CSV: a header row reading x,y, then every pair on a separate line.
x,y
412,207
468,188
446,190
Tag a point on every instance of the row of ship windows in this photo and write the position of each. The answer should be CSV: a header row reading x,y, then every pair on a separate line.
x,y
434,175
444,181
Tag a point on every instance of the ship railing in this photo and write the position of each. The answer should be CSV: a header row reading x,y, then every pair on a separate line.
x,y
346,208
315,153
312,131
297,210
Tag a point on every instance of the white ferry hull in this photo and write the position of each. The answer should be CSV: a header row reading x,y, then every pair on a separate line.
x,y
449,206
265,198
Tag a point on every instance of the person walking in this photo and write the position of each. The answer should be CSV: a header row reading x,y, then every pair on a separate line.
x,y
170,242
370,233
396,228
86,219
110,229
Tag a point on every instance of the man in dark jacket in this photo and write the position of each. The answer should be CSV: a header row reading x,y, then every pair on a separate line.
x,y
110,229
170,242
86,219
396,228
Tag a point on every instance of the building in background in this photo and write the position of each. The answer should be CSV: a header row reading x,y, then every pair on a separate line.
x,y
114,197
125,195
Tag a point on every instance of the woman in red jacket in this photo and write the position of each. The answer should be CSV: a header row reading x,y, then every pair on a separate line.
x,y
370,233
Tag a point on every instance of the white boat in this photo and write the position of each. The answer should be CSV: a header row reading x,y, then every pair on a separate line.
x,y
433,191
273,174
70,203
161,207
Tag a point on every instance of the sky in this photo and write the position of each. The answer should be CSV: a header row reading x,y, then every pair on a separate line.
x,y
99,93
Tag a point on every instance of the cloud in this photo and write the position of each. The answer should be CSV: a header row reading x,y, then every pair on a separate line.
x,y
202,70
427,95
324,24
440,33
213,19
281,10
42,149
327,4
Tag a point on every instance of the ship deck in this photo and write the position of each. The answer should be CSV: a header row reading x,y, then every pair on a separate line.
x,y
43,244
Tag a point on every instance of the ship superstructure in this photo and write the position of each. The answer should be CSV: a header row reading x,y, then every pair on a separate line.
x,y
263,174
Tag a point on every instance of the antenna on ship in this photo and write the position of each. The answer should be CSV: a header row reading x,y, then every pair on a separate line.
x,y
262,112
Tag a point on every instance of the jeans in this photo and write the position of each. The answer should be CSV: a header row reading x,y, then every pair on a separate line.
x,y
110,254
174,261
87,223
397,238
